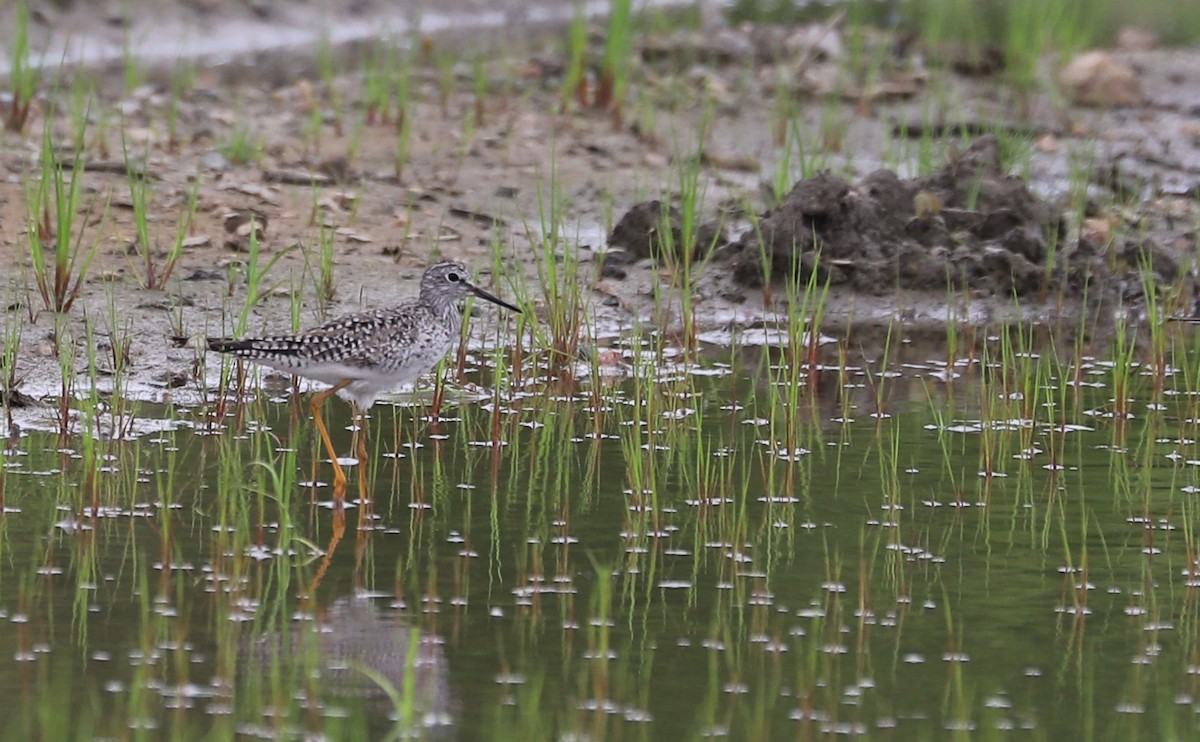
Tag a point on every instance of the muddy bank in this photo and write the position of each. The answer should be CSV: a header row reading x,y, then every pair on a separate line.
x,y
906,225
969,226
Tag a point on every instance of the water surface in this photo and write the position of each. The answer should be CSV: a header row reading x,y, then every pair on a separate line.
x,y
724,547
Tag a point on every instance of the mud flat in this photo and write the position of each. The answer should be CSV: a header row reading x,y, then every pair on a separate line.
x,y
281,190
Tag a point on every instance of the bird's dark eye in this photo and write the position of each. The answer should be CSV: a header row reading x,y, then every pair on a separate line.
x,y
452,277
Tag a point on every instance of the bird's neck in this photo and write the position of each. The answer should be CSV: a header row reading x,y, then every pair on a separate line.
x,y
449,313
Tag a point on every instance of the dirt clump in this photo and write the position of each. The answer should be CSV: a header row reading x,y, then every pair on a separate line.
x,y
968,226
654,229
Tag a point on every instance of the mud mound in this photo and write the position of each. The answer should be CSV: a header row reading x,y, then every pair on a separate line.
x,y
653,229
967,226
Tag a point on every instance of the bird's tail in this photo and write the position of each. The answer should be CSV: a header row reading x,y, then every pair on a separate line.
x,y
220,345
230,345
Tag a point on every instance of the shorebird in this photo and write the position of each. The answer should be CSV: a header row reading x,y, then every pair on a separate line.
x,y
363,354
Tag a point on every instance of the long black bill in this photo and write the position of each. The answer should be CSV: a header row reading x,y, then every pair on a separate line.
x,y
494,299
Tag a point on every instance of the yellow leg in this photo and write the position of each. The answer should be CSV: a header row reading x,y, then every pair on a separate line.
x,y
339,476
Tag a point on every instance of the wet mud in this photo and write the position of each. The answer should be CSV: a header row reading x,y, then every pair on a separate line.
x,y
969,226
1101,204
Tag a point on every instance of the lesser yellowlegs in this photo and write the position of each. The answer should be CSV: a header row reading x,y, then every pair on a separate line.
x,y
366,353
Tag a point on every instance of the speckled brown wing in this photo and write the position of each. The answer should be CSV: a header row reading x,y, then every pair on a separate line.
x,y
407,343
351,340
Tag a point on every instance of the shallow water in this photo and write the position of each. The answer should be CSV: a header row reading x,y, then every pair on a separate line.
x,y
701,558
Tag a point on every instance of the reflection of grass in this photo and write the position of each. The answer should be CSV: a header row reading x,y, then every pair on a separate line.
x,y
10,382
777,567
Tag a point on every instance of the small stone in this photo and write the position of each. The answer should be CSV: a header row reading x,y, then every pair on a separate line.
x,y
1047,143
609,269
215,161
1100,79
1137,39
815,42
200,240
1096,230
